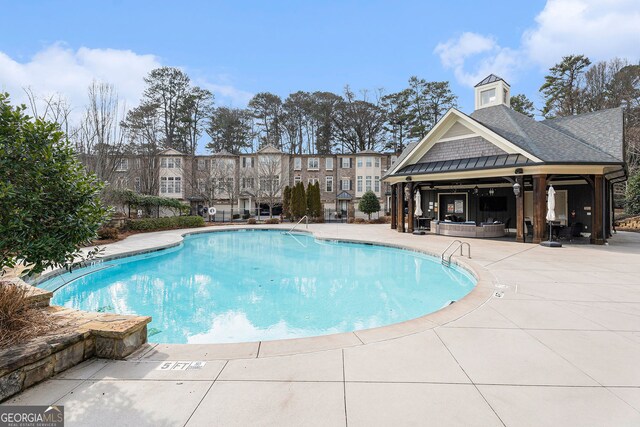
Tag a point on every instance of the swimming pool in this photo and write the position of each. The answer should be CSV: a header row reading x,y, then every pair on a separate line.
x,y
251,285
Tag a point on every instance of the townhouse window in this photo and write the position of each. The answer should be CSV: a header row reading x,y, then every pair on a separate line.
x,y
393,159
376,183
359,184
313,181
368,162
313,163
297,163
247,162
377,164
170,162
345,184
247,183
138,163
360,162
368,184
122,165
171,185
346,162
136,184
328,163
297,179
200,184
329,184
202,164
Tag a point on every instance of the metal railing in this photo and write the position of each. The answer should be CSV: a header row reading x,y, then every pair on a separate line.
x,y
447,261
298,223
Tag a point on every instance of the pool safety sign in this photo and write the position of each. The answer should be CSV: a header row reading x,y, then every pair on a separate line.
x,y
180,365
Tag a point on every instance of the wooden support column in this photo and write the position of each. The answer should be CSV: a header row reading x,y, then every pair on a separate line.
x,y
394,209
411,208
520,232
597,211
400,207
539,207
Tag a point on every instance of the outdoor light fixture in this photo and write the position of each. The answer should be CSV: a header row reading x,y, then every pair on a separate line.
x,y
476,190
519,171
516,189
409,179
491,191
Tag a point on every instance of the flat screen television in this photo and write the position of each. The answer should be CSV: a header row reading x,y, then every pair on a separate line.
x,y
493,204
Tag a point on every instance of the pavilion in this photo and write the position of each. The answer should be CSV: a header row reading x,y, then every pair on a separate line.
x,y
495,166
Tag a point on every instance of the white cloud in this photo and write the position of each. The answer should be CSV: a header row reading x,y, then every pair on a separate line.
x,y
599,29
58,69
483,52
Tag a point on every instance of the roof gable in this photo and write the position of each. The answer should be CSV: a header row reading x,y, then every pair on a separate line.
x,y
171,152
449,120
269,149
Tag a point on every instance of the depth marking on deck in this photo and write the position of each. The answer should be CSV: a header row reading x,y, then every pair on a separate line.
x,y
179,365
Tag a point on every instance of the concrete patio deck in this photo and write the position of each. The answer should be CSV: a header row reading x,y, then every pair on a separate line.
x,y
558,346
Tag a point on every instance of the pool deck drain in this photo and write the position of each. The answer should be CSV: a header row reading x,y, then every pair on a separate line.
x,y
560,347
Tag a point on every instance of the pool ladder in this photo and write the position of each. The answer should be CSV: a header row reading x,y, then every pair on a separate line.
x,y
298,223
446,259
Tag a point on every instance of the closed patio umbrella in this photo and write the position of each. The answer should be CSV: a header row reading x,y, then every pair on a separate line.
x,y
418,199
551,216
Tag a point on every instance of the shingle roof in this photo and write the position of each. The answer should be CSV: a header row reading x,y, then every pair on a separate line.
x,y
551,143
474,163
490,79
601,129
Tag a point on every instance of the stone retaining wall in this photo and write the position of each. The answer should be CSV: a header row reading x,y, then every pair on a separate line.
x,y
83,336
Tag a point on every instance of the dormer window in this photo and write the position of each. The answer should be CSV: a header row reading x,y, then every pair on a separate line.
x,y
487,96
504,96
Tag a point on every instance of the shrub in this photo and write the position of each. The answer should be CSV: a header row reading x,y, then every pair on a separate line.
x,y
19,320
251,221
108,233
351,220
49,204
246,216
369,203
166,223
359,220
319,220
236,216
272,221
632,203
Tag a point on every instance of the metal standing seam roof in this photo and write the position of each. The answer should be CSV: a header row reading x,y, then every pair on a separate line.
x,y
473,163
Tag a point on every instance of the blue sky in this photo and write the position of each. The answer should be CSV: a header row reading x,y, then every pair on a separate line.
x,y
240,48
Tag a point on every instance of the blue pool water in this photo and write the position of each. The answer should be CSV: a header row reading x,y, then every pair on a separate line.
x,y
251,285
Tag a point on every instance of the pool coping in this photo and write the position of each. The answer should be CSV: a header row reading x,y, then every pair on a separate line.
x,y
478,296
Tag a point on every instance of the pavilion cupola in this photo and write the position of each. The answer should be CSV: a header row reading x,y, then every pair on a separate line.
x,y
492,90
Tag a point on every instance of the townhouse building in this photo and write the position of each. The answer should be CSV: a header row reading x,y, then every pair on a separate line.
x,y
244,183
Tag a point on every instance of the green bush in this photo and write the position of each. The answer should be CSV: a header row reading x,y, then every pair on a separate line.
x,y
49,204
369,203
632,204
165,223
108,233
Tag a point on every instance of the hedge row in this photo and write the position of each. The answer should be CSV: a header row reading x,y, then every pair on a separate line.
x,y
151,224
